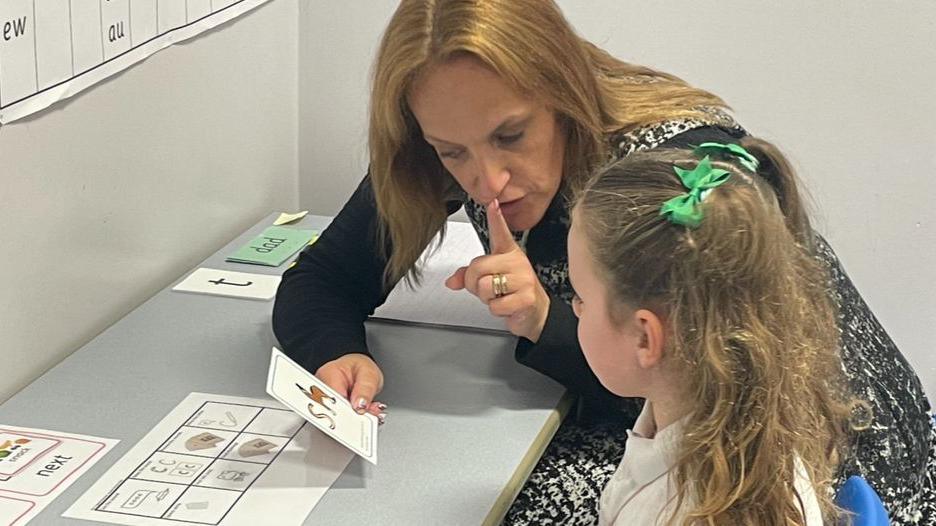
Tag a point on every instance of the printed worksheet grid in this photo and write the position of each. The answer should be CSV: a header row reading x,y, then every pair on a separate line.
x,y
46,43
197,478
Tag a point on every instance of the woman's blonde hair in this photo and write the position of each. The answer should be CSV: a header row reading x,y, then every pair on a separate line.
x,y
534,49
751,330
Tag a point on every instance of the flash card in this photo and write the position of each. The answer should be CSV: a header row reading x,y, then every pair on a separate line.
x,y
36,466
327,410
231,284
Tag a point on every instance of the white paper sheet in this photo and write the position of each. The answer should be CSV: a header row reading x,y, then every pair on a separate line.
x,y
37,465
221,461
432,302
53,49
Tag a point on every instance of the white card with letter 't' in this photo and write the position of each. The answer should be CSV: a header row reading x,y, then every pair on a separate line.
x,y
230,284
326,409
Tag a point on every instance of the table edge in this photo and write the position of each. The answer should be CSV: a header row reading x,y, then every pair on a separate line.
x,y
532,456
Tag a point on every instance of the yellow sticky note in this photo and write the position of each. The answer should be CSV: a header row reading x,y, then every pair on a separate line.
x,y
285,218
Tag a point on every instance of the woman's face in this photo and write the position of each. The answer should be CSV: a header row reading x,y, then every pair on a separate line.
x,y
495,142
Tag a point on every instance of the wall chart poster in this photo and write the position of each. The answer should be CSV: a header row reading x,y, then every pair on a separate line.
x,y
53,49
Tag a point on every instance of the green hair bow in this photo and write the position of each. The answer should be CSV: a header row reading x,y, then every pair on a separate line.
x,y
744,157
684,209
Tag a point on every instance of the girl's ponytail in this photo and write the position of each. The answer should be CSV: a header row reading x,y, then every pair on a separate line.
x,y
776,170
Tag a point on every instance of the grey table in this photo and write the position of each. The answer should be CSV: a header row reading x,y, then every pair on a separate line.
x,y
466,423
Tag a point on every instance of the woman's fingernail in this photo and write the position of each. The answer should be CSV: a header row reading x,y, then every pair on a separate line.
x,y
381,418
360,405
382,406
495,205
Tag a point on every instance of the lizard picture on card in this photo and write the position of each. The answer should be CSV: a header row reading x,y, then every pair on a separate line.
x,y
317,395
320,405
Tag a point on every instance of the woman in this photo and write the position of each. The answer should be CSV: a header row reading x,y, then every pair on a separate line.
x,y
499,103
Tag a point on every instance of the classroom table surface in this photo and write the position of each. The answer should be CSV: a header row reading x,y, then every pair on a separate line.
x,y
465,425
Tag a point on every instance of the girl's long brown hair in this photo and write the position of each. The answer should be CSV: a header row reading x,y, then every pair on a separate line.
x,y
752,332
534,49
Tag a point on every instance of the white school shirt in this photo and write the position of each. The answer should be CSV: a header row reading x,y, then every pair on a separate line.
x,y
641,493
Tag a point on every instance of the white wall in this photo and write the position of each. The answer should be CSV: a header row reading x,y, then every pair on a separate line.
x,y
336,48
845,87
110,196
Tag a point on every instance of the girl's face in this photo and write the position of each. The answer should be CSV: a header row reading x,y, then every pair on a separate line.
x,y
610,347
495,142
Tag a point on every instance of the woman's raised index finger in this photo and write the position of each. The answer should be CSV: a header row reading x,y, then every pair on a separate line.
x,y
502,241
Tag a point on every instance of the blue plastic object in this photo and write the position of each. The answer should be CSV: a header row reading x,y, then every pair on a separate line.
x,y
858,497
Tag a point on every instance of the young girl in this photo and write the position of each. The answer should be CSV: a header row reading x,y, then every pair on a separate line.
x,y
696,289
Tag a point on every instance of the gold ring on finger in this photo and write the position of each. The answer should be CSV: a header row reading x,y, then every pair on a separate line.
x,y
499,284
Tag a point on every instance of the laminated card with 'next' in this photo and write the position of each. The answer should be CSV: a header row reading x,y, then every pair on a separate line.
x,y
274,246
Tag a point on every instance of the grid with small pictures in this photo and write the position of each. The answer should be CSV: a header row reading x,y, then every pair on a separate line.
x,y
200,472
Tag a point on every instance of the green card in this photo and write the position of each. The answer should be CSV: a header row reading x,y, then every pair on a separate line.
x,y
274,246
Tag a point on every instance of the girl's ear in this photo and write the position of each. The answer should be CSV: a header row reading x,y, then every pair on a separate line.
x,y
650,348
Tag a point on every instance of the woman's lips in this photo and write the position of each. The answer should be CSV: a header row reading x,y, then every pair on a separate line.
x,y
511,207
